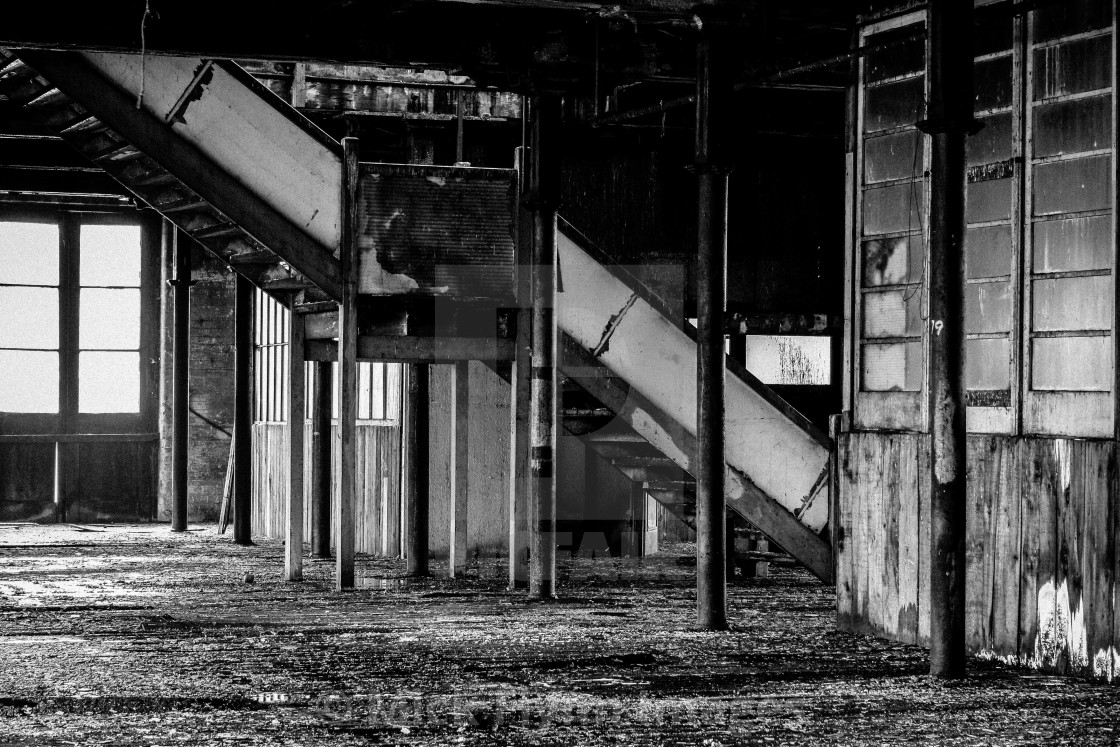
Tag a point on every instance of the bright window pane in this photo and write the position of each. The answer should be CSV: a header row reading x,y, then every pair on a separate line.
x,y
894,367
1073,244
29,381
787,359
1072,364
110,255
987,307
29,318
108,382
29,253
1064,304
110,318
988,364
892,313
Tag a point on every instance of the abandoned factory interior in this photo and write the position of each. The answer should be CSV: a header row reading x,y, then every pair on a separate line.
x,y
559,372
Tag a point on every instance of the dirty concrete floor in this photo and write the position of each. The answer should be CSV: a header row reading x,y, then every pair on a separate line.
x,y
133,635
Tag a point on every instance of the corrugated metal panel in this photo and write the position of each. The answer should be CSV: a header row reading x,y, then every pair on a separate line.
x,y
437,230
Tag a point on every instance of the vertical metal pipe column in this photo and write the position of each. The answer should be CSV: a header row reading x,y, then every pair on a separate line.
x,y
545,185
181,362
418,434
321,461
347,372
521,383
297,422
243,414
713,89
950,120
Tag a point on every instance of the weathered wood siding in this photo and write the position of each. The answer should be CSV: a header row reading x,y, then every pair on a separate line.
x,y
377,508
487,465
1041,551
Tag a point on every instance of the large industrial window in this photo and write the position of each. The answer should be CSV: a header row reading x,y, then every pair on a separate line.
x,y
1039,244
70,312
891,305
29,303
379,384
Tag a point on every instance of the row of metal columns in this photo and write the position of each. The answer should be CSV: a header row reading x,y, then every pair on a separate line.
x,y
535,368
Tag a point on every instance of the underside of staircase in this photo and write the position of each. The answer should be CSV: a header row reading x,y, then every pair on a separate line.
x,y
179,181
155,158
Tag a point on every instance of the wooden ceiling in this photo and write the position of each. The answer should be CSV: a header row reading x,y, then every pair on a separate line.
x,y
565,45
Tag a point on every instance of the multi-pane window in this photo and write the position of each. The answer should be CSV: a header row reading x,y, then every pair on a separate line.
x,y
992,231
1040,225
378,383
891,305
109,319
70,273
1068,287
29,330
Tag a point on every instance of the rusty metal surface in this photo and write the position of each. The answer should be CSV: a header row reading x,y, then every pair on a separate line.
x,y
437,230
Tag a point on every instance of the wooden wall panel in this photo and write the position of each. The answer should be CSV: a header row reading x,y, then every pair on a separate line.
x,y
909,563
925,491
1090,550
377,510
846,551
992,585
116,482
1041,547
26,482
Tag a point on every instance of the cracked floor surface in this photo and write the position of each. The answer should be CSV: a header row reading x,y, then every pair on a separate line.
x,y
133,635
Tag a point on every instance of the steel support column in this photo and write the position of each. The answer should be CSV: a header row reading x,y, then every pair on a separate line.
x,y
520,389
545,188
297,420
321,461
950,120
181,360
347,373
417,431
243,414
713,91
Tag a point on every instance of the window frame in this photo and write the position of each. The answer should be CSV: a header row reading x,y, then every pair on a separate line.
x,y
893,410
69,420
1085,413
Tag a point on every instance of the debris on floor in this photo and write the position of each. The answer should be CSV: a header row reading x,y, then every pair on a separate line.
x,y
135,635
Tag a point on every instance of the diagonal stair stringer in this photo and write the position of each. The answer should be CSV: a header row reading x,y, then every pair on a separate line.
x,y
674,441
116,109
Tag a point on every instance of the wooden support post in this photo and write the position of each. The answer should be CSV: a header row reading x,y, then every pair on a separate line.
x,y
297,421
347,372
520,390
243,414
950,121
460,468
181,361
713,91
321,461
418,433
545,186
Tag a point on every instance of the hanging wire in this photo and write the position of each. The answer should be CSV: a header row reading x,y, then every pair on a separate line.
x,y
143,50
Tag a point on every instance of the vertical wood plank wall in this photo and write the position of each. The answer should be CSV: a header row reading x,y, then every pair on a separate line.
x,y
1041,548
377,511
